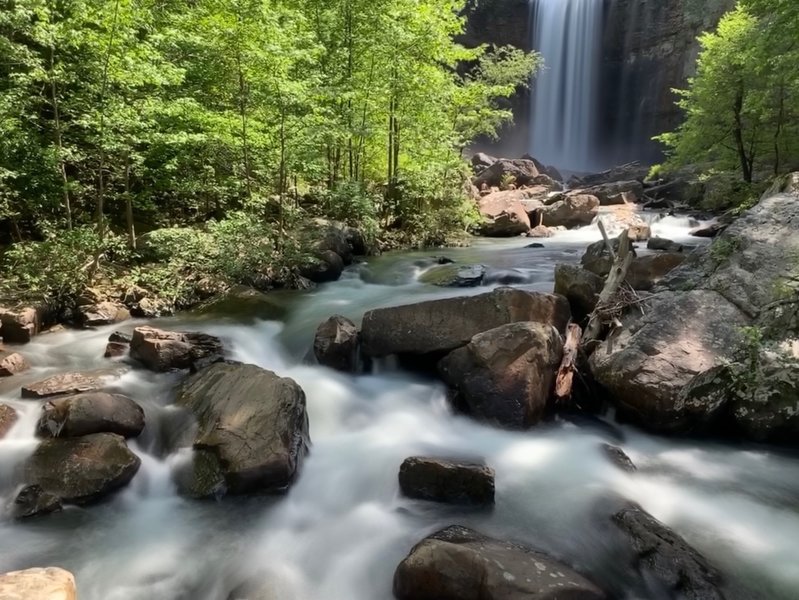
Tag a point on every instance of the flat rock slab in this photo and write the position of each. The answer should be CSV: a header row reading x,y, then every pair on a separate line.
x,y
439,326
94,412
447,481
50,583
62,384
459,564
82,470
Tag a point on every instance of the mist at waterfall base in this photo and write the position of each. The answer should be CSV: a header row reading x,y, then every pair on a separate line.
x,y
340,531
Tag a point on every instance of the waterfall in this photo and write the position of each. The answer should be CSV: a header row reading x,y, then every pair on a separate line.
x,y
568,34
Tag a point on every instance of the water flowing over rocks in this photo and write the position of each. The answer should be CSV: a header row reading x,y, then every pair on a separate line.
x,y
161,350
447,481
38,584
458,563
505,375
85,414
84,469
12,363
336,344
660,363
251,430
439,326
666,559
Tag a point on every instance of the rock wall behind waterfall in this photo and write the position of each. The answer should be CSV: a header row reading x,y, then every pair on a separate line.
x,y
649,47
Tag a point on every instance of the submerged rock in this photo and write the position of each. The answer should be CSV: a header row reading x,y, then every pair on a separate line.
x,y
50,583
96,412
447,481
505,375
336,344
12,363
8,416
455,276
33,501
458,564
84,469
161,350
439,326
252,430
666,560
619,458
62,384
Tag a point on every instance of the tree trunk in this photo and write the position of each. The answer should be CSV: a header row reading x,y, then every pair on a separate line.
x,y
243,115
746,169
129,205
59,142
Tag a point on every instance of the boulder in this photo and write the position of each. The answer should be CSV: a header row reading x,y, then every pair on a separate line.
x,y
505,375
619,458
8,416
104,313
581,288
447,481
695,324
708,231
503,216
613,193
573,211
63,384
646,271
116,350
481,161
251,434
33,501
152,308
540,231
12,363
20,326
84,469
38,584
597,259
518,171
666,561
336,344
458,564
439,326
664,245
455,276
629,172
324,267
545,169
95,412
161,350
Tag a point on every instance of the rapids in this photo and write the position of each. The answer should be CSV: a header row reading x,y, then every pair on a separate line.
x,y
342,529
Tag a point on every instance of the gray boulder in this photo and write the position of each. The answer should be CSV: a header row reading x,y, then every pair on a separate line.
x,y
666,560
580,287
83,469
458,564
439,326
447,481
336,344
96,412
161,350
505,375
251,430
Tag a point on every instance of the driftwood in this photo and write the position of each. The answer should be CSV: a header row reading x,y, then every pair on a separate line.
x,y
565,377
616,277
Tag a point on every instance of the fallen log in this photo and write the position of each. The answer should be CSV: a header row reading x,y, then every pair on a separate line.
x,y
565,378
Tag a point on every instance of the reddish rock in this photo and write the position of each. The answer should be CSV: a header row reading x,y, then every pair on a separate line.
x,y
12,363
8,416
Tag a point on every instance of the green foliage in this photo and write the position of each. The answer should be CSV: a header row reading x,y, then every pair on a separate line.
x,y
742,107
723,248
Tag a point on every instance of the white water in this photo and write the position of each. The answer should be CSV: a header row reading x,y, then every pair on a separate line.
x,y
343,528
568,35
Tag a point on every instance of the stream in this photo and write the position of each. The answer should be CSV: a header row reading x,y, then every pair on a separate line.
x,y
341,530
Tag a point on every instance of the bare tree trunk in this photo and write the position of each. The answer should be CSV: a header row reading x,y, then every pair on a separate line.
x,y
565,378
746,169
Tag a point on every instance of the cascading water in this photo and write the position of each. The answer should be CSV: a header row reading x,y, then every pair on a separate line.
x,y
568,34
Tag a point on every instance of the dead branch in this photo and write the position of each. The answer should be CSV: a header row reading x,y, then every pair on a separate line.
x,y
565,378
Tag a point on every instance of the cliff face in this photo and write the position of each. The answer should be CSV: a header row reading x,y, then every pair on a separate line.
x,y
649,48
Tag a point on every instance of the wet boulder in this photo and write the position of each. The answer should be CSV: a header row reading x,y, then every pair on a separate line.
x,y
667,562
336,344
457,563
84,469
63,384
19,326
102,313
455,276
161,350
619,458
50,583
664,245
710,230
96,412
251,430
325,266
439,326
447,481
573,211
8,416
581,288
33,501
12,363
118,345
505,375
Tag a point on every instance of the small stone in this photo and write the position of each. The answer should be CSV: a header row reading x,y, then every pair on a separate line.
x,y
447,481
12,363
33,501
619,458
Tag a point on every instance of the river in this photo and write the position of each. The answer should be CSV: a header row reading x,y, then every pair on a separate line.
x,y
343,527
